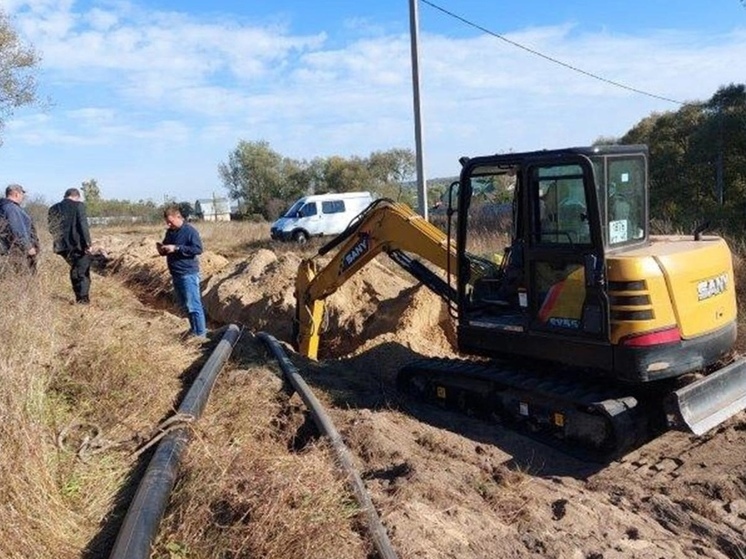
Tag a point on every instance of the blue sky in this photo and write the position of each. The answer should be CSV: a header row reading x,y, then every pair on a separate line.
x,y
150,96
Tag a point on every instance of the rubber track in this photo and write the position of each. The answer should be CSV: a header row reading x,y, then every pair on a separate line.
x,y
626,422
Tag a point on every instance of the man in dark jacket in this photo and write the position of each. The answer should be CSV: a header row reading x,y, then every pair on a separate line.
x,y
181,245
19,244
68,224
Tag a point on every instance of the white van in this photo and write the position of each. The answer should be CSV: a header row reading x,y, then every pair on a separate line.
x,y
319,214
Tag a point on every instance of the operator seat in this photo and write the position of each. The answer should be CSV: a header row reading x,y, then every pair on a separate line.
x,y
573,219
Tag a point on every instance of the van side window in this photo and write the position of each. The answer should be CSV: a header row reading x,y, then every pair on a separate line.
x,y
333,207
308,209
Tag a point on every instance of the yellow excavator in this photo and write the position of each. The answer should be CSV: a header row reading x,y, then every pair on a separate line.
x,y
588,330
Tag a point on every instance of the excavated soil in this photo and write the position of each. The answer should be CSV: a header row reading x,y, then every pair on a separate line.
x,y
447,485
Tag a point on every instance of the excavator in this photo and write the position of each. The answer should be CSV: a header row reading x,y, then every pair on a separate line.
x,y
586,329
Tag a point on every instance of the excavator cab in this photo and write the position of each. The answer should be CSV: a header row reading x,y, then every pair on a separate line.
x,y
584,283
568,213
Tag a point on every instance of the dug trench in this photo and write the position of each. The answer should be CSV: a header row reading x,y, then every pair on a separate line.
x,y
444,484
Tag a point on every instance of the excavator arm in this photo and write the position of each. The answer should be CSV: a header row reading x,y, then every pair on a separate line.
x,y
384,227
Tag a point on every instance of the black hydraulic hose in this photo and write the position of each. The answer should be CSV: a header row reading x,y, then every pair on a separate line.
x,y
141,522
324,423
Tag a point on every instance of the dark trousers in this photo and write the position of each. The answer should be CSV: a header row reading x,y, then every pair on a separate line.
x,y
80,273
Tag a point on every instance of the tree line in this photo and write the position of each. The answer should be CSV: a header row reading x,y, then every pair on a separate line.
x,y
98,206
698,162
697,169
266,182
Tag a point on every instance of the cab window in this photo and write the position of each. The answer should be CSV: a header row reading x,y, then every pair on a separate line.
x,y
308,210
621,183
562,210
626,200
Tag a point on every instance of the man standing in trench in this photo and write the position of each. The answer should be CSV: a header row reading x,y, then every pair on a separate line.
x,y
68,224
181,245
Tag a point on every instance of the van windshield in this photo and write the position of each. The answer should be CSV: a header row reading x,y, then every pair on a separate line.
x,y
293,211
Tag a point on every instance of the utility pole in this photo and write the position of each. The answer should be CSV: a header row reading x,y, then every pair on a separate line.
x,y
719,183
420,160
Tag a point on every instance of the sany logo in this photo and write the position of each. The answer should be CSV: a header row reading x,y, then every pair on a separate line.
x,y
354,254
711,287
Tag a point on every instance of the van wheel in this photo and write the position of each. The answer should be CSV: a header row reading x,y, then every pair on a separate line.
x,y
300,237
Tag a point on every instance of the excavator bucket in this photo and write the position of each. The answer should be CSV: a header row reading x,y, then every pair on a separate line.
x,y
707,402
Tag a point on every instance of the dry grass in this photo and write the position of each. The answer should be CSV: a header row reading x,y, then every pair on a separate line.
x,y
507,492
246,495
62,363
118,367
34,508
234,239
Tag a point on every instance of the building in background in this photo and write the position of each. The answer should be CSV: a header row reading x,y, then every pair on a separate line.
x,y
213,209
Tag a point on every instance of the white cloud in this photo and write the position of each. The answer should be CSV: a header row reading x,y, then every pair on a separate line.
x,y
122,77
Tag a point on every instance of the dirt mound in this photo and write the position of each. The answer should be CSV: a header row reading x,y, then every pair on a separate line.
x,y
374,307
256,291
417,319
259,291
139,265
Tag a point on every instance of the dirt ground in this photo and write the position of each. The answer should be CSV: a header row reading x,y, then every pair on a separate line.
x,y
447,485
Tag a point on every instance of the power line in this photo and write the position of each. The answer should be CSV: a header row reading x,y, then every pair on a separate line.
x,y
549,58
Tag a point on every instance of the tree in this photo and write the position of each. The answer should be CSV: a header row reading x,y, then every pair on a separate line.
x,y
698,161
347,175
91,191
92,195
253,173
267,183
722,139
390,170
18,63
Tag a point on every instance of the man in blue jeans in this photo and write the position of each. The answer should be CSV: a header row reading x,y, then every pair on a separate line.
x,y
181,246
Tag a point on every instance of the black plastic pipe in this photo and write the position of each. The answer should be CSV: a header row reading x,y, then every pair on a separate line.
x,y
144,515
324,423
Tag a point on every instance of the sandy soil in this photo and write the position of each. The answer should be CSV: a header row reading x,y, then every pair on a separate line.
x,y
447,485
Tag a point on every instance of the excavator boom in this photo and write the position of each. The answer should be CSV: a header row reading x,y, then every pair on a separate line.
x,y
384,227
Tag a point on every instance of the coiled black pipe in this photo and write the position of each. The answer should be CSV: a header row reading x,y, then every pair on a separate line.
x,y
144,515
324,423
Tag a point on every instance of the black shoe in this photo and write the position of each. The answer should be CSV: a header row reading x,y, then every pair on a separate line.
x,y
83,301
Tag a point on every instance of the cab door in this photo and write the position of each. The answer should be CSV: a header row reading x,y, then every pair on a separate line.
x,y
564,258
